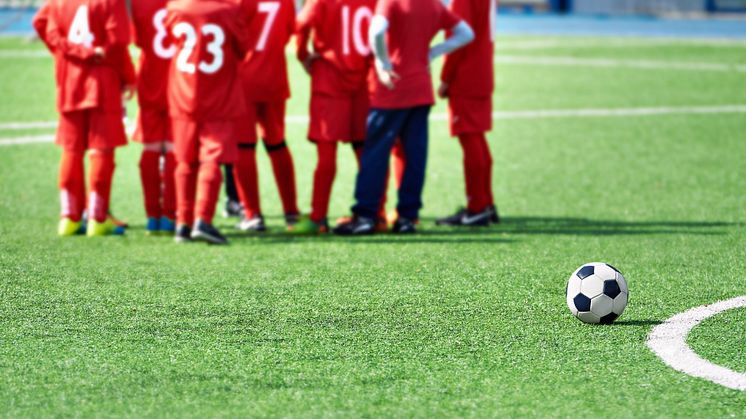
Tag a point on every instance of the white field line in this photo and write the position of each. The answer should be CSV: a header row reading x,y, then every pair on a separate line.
x,y
668,341
618,63
20,53
508,43
439,117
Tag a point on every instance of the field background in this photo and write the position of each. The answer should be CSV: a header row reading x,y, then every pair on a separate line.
x,y
448,322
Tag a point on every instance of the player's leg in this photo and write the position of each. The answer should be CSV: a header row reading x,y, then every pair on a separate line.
x,y
168,198
71,137
414,139
398,165
232,200
272,123
384,127
246,174
186,154
489,195
150,178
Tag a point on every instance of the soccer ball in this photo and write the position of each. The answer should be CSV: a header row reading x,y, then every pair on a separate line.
x,y
597,293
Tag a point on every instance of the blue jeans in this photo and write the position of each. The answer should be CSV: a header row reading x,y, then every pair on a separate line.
x,y
384,127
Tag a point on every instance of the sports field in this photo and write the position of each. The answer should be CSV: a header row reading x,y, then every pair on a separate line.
x,y
623,150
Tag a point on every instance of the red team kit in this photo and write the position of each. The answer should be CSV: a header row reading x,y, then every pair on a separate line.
x,y
212,81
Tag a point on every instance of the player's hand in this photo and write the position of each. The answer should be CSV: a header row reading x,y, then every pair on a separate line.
x,y
128,91
99,54
388,78
308,62
443,90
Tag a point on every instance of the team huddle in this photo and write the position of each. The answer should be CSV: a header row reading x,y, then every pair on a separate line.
x,y
212,80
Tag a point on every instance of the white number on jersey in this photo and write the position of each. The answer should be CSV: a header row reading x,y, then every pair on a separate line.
x,y
80,29
358,37
270,8
159,49
214,47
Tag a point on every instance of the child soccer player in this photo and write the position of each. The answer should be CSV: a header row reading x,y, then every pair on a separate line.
x,y
266,90
402,95
89,41
338,67
468,83
157,163
205,104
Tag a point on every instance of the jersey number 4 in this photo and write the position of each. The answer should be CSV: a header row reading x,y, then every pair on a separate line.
x,y
80,29
214,48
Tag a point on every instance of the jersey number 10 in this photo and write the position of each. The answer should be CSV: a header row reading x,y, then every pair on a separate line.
x,y
361,15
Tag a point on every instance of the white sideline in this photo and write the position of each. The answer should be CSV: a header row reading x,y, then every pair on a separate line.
x,y
668,341
552,60
501,115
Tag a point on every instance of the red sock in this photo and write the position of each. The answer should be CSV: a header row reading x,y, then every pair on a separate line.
x,y
100,176
209,180
247,182
72,185
475,172
168,206
323,180
400,162
488,171
185,178
150,177
282,166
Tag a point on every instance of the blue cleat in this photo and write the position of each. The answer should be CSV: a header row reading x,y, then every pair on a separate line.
x,y
167,225
153,226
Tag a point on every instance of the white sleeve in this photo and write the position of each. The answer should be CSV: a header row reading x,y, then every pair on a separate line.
x,y
377,41
462,35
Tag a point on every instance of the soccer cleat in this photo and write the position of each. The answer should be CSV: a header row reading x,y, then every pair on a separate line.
x,y
478,219
68,227
404,226
233,209
452,220
117,222
356,226
105,228
183,234
167,225
307,226
205,232
153,226
291,220
253,224
495,217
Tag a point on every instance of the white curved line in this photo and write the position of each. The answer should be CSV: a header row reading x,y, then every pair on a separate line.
x,y
668,341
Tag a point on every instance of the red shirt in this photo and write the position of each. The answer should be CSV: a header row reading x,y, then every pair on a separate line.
x,y
264,72
340,37
412,26
210,39
469,71
149,21
72,29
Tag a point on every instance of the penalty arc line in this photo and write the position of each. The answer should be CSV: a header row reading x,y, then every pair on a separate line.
x,y
668,342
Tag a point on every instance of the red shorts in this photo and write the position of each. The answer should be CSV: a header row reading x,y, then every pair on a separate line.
x,y
339,118
90,129
270,116
213,141
469,115
153,126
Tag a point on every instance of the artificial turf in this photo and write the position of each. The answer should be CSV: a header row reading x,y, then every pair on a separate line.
x,y
448,322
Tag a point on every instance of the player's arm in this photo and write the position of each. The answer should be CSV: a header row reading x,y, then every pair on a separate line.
x,y
377,40
116,46
461,35
56,41
41,19
304,25
242,42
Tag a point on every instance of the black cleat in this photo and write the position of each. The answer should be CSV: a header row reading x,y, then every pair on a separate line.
x,y
183,234
452,220
291,220
357,226
404,226
207,233
233,209
254,224
495,218
478,219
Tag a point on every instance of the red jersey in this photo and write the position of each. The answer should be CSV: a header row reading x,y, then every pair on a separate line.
x,y
412,26
264,71
74,29
469,71
340,37
149,21
210,39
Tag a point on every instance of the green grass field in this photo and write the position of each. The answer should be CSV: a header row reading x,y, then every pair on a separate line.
x,y
446,323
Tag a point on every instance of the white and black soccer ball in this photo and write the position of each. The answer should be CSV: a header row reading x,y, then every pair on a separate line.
x,y
597,293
